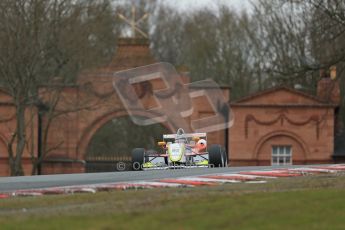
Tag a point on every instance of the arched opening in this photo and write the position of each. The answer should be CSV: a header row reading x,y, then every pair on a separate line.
x,y
280,148
113,142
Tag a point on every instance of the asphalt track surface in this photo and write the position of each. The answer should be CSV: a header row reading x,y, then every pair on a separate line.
x,y
8,184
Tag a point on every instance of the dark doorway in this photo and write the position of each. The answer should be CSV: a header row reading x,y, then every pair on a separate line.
x,y
113,142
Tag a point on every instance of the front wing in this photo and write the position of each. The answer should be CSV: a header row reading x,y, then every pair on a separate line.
x,y
159,161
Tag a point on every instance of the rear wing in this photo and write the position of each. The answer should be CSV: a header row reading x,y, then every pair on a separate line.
x,y
187,135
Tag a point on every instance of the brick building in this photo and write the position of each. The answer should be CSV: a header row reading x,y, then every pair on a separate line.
x,y
71,133
275,126
282,126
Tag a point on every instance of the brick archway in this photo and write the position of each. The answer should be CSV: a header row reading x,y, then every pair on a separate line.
x,y
301,151
98,122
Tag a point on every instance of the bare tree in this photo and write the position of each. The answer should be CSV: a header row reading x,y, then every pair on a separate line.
x,y
211,44
295,39
41,40
167,28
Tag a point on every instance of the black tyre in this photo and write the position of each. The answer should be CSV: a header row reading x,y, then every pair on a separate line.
x,y
138,155
166,160
216,156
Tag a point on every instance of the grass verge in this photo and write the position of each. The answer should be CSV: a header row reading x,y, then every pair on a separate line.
x,y
315,202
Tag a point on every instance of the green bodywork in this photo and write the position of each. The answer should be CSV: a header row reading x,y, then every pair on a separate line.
x,y
176,156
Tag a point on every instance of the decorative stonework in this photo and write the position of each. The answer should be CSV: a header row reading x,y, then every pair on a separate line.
x,y
281,118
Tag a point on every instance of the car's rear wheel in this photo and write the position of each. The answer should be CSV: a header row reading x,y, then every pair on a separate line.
x,y
217,156
138,155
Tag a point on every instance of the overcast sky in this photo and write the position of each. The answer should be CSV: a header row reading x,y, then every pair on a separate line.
x,y
211,4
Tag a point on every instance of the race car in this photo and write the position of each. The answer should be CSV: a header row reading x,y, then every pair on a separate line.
x,y
180,150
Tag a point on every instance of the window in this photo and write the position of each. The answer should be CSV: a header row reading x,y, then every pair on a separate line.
x,y
281,155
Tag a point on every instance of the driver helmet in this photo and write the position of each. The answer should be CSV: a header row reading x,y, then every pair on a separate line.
x,y
201,145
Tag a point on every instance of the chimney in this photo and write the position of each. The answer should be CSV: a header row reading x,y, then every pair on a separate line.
x,y
328,86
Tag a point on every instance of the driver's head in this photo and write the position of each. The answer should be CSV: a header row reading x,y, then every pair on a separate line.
x,y
201,144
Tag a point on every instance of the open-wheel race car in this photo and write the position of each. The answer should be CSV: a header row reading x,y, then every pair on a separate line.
x,y
180,150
